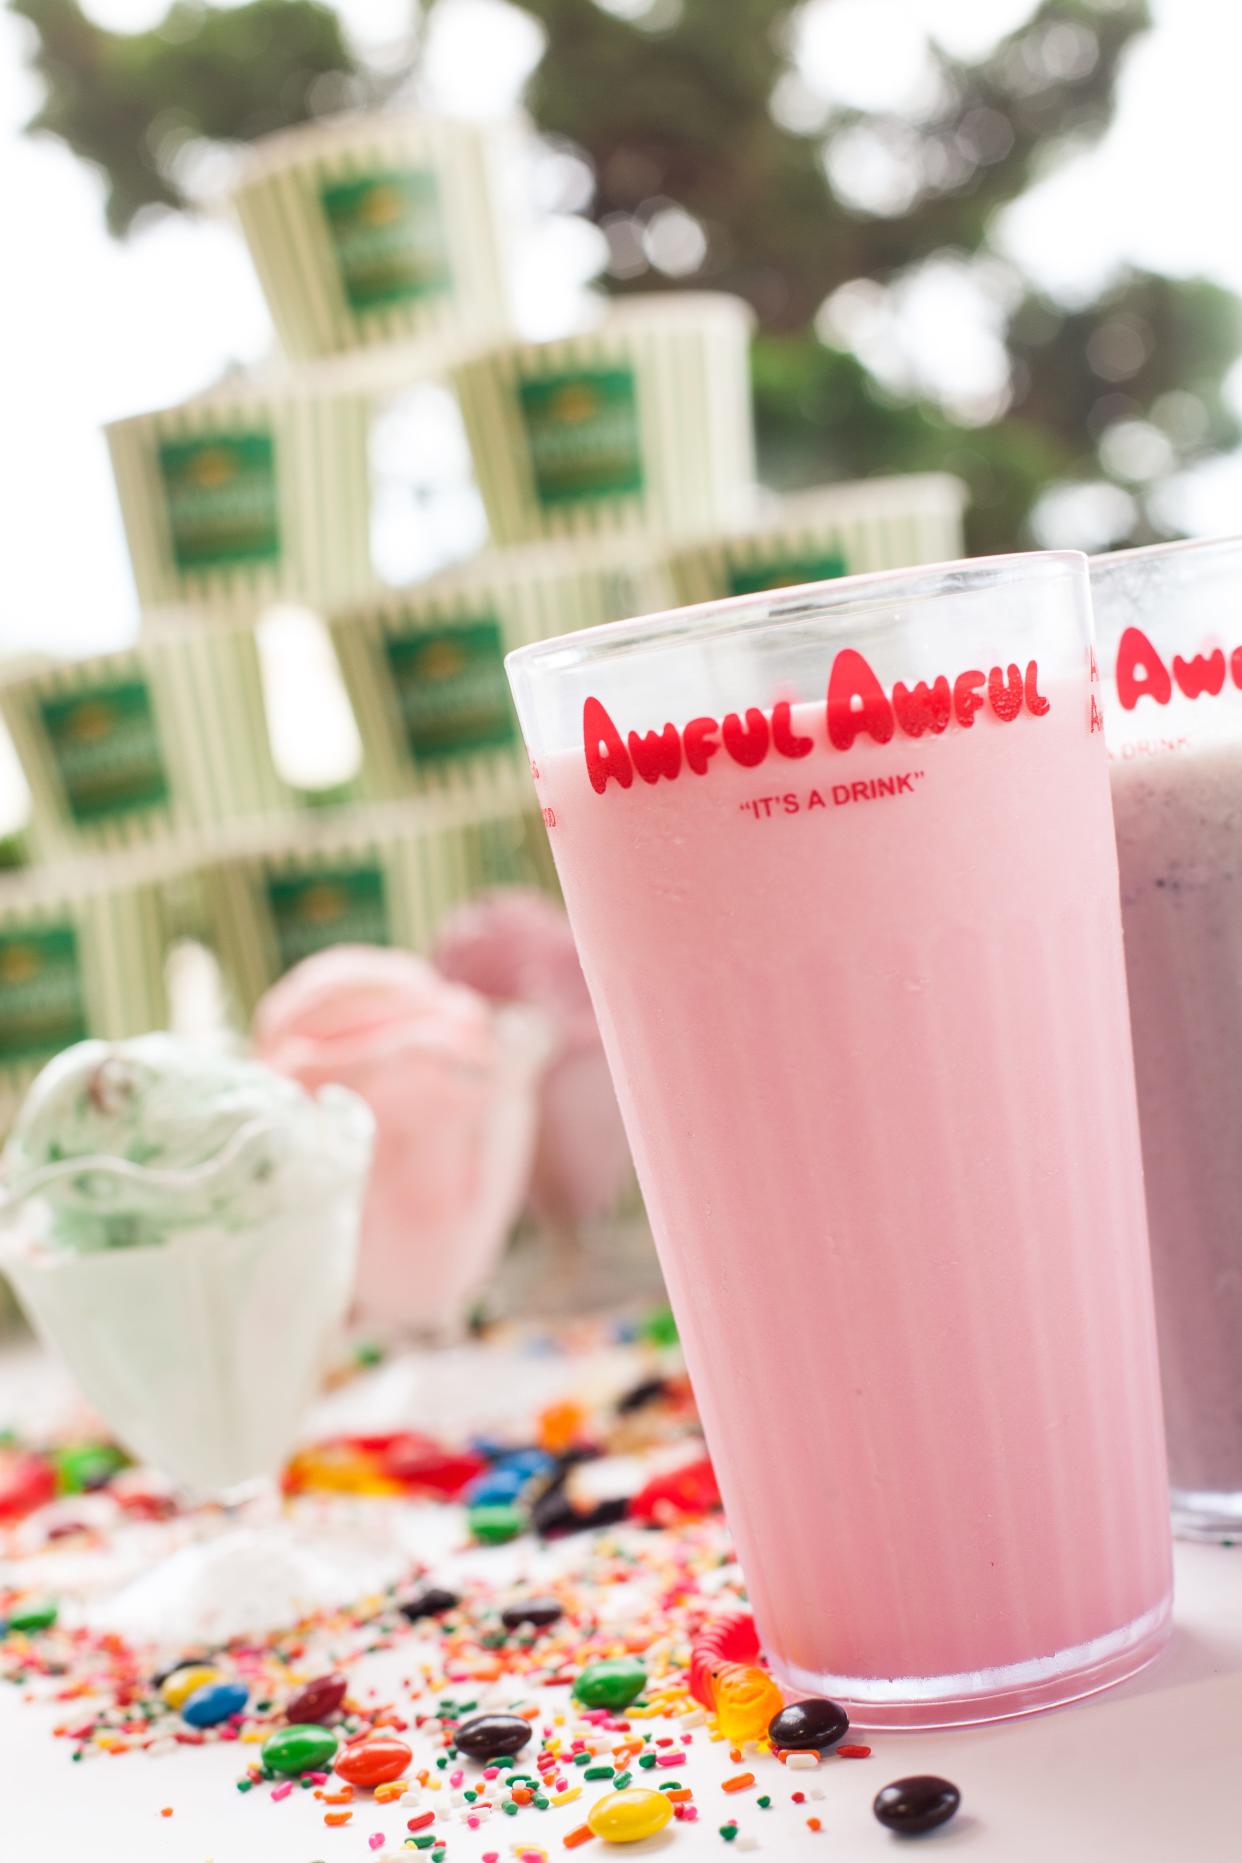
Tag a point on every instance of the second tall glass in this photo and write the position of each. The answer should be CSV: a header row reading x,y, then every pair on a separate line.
x,y
840,865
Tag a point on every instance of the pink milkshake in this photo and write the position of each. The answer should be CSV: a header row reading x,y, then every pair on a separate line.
x,y
1170,644
840,865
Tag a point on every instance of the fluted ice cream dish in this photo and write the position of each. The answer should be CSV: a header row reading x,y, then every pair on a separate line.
x,y
181,1227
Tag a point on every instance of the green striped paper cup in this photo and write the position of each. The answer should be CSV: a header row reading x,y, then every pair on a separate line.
x,y
125,748
380,228
834,530
386,875
261,490
640,424
82,952
424,667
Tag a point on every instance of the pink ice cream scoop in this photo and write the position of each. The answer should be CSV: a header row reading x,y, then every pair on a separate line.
x,y
514,945
452,1083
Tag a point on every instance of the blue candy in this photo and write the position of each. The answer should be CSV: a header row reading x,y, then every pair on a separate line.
x,y
496,1485
214,1702
527,1462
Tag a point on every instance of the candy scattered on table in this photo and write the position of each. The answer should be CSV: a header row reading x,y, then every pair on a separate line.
x,y
627,1817
492,1736
317,1700
182,1683
614,1683
214,1702
452,1710
745,1699
920,1803
299,1749
539,1613
373,1762
814,1726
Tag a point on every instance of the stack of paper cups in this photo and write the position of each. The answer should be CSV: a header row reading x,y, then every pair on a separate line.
x,y
378,229
82,952
640,424
835,530
260,490
384,875
158,739
424,668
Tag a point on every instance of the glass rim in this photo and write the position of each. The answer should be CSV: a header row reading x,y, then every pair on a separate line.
x,y
837,598
1176,547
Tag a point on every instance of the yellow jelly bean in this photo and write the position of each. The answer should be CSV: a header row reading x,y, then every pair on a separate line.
x,y
625,1817
180,1685
745,1700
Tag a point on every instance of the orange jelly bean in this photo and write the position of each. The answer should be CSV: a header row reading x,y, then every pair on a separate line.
x,y
373,1762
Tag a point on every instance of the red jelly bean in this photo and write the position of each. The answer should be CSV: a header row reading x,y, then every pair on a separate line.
x,y
317,1701
373,1762
689,1490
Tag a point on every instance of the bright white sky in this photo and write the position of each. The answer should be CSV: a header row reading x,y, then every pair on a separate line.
x,y
92,329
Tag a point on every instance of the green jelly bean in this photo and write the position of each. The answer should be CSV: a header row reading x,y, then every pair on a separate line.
x,y
496,1522
301,1748
613,1683
30,1617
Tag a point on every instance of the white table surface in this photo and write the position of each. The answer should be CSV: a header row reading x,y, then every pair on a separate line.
x,y
1147,1773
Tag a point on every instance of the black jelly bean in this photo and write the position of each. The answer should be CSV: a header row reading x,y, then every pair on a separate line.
x,y
539,1612
812,1726
430,1603
492,1736
910,1806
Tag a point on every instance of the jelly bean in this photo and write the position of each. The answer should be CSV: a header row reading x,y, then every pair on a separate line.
x,y
689,1490
527,1462
628,1817
373,1762
497,1523
613,1683
26,1482
433,1602
731,1637
909,1806
745,1700
31,1617
317,1700
181,1684
492,1736
540,1612
496,1487
560,1426
299,1749
214,1702
83,1466
809,1726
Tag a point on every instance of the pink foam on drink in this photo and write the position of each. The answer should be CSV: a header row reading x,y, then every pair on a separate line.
x,y
873,1056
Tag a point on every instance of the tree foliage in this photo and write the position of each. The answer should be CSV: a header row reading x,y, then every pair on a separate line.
x,y
705,172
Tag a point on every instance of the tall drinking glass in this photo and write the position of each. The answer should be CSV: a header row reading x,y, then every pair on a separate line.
x,y
1170,645
840,864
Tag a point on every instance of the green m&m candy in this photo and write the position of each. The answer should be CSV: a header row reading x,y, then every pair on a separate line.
x,y
613,1683
301,1748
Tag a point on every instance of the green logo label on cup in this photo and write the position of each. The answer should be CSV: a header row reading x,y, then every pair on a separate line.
x,y
451,689
388,236
107,750
582,434
336,905
785,572
220,491
41,1002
